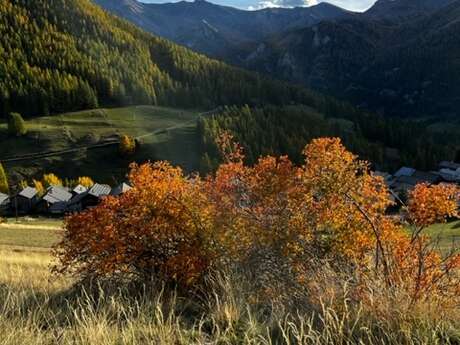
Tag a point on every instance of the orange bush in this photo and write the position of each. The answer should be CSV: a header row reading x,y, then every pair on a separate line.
x,y
158,228
176,227
127,146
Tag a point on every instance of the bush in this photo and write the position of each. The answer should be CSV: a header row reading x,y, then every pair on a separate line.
x,y
279,219
127,145
51,180
85,181
160,228
16,125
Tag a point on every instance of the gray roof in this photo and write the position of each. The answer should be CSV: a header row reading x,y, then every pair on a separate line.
x,y
79,189
99,190
57,194
4,199
416,178
28,193
121,189
449,165
426,177
404,171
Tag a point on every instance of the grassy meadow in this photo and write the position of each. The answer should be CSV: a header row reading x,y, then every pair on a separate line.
x,y
165,134
38,307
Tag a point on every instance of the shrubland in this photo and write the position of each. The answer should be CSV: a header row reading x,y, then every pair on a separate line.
x,y
272,253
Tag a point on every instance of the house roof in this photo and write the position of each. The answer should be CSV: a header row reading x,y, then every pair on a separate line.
x,y
426,177
449,165
404,171
79,189
4,199
121,189
28,193
57,194
99,190
416,178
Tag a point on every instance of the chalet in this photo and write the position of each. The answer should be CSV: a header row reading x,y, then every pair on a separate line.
x,y
404,171
90,198
26,200
449,165
121,189
4,203
55,200
407,178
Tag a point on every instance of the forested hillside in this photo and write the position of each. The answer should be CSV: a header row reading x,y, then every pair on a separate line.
x,y
404,67
271,130
65,55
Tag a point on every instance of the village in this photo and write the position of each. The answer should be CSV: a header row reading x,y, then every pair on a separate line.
x,y
406,178
58,200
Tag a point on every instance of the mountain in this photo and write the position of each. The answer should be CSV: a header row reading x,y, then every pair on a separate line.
x,y
67,55
218,31
397,10
406,68
399,57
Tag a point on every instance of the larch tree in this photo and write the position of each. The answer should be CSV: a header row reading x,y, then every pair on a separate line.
x,y
4,187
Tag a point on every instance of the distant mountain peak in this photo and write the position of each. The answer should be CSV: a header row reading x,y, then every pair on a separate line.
x,y
397,9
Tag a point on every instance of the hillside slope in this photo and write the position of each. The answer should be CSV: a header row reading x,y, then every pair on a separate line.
x,y
67,55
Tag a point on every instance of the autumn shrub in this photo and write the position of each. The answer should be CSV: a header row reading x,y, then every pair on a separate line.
x,y
279,222
160,228
85,181
127,146
51,179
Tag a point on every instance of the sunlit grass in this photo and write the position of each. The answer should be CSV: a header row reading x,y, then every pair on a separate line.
x,y
37,307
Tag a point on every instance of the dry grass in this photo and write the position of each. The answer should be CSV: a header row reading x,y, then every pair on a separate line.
x,y
37,308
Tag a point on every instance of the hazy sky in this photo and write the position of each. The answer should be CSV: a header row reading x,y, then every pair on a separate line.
x,y
355,5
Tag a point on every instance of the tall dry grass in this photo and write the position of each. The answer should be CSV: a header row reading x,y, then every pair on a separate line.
x,y
37,308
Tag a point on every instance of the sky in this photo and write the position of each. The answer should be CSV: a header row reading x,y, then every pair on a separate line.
x,y
353,5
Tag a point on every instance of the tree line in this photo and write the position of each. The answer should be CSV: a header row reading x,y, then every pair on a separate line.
x,y
285,130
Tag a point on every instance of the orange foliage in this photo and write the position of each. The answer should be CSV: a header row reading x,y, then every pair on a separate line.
x,y
177,227
160,227
127,145
432,204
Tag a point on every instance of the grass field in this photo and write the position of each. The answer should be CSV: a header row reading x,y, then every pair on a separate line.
x,y
174,140
40,308
29,234
446,236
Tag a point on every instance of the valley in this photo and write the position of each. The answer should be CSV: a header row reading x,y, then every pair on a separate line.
x,y
193,173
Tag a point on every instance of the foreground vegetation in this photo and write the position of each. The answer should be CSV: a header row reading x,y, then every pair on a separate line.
x,y
267,254
37,308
